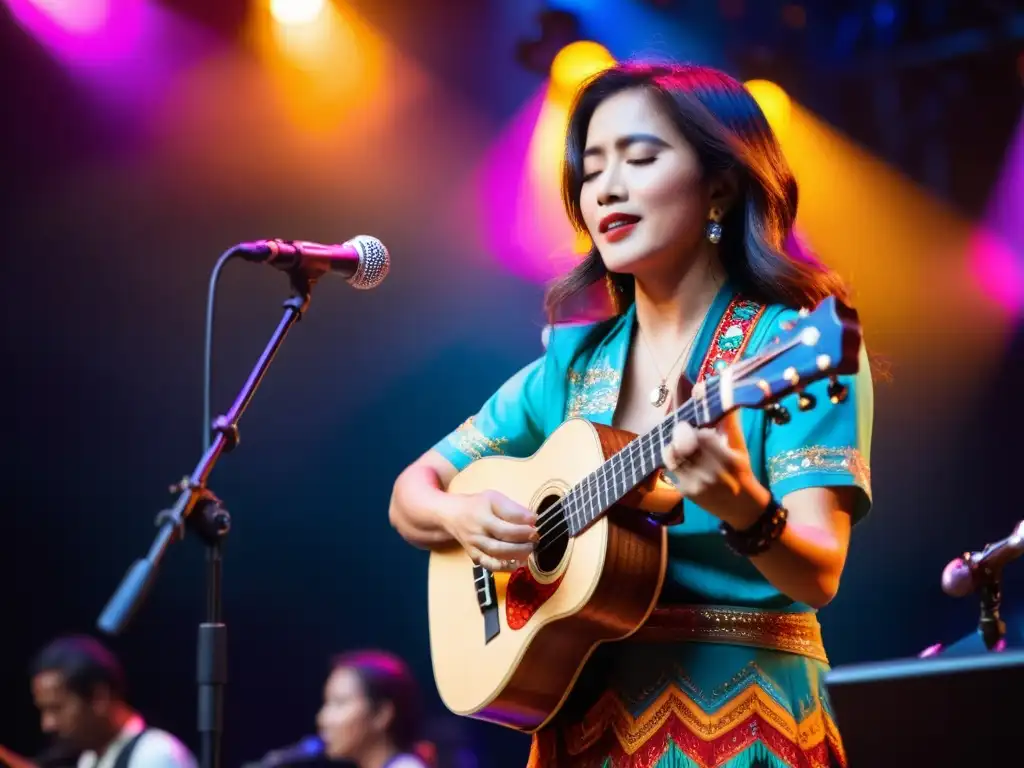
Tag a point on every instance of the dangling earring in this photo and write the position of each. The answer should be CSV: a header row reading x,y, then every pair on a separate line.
x,y
713,231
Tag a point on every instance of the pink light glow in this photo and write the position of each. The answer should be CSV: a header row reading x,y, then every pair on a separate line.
x,y
999,270
997,249
79,17
82,30
124,53
523,225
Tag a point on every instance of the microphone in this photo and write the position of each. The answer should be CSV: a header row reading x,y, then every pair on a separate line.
x,y
308,748
961,576
363,261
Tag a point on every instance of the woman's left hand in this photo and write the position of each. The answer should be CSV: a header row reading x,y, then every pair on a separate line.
x,y
711,467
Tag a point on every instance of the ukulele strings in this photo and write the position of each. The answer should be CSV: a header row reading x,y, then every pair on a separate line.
x,y
590,483
551,514
741,369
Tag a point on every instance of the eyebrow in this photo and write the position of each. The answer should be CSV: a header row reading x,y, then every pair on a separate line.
x,y
625,141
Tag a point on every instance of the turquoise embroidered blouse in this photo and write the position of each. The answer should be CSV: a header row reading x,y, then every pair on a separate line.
x,y
580,375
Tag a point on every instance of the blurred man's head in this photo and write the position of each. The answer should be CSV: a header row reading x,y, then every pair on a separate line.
x,y
79,689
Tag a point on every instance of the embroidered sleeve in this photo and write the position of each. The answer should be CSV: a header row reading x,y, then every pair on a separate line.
x,y
508,424
594,392
828,445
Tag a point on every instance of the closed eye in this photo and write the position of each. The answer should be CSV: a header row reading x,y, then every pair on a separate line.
x,y
635,161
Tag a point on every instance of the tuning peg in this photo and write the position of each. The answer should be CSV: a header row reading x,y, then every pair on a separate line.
x,y
837,392
777,413
806,402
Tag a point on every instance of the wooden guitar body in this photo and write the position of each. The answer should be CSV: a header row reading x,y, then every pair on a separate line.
x,y
507,648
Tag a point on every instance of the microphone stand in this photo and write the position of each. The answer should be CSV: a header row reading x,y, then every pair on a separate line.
x,y
990,624
200,511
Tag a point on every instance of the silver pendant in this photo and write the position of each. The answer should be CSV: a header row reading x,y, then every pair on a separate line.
x,y
659,395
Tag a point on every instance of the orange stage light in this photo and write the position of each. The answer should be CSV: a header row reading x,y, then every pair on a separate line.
x,y
774,102
297,12
576,63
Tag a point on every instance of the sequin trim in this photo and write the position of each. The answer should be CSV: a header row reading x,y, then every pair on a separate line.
x,y
594,392
819,458
797,633
472,442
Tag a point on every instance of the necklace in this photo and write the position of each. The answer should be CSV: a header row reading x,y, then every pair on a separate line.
x,y
660,393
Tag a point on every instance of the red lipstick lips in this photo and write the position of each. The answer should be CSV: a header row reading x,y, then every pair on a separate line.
x,y
616,226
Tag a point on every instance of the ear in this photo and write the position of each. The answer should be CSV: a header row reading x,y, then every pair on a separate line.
x,y
101,700
384,716
723,190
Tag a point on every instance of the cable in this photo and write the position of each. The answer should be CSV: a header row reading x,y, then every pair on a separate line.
x,y
211,300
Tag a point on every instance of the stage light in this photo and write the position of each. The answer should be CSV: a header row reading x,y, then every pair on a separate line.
x,y
774,102
576,63
79,17
296,12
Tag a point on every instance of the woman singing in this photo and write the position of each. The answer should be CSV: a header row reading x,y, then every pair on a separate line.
x,y
371,713
676,176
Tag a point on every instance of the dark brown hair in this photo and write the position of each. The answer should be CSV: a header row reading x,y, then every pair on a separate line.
x,y
727,129
84,663
386,678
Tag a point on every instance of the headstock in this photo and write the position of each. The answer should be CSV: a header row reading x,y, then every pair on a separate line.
x,y
822,343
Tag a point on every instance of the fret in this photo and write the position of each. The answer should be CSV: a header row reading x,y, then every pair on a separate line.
x,y
619,477
641,455
592,489
585,510
635,447
640,458
608,478
611,480
592,507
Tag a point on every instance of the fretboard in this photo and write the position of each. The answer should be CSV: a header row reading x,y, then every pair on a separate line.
x,y
638,460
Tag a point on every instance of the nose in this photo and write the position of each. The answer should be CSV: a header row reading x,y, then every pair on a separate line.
x,y
611,189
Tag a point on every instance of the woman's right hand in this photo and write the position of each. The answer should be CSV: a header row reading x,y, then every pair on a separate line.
x,y
495,531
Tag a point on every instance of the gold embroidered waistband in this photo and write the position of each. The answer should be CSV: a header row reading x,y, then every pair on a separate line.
x,y
797,633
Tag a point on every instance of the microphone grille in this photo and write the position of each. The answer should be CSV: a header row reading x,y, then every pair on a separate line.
x,y
374,262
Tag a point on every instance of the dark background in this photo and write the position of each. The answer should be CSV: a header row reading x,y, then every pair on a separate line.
x,y
114,214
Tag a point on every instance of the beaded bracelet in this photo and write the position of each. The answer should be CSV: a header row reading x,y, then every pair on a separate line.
x,y
759,536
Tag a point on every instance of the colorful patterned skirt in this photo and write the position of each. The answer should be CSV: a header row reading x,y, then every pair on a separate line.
x,y
715,691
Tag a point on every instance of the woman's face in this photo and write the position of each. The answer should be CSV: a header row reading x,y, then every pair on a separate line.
x,y
643,197
347,721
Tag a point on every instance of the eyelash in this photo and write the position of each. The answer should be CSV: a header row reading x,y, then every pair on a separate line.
x,y
639,161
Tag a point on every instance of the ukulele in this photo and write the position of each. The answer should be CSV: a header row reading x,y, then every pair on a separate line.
x,y
507,648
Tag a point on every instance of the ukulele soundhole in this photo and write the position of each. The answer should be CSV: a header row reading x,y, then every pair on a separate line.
x,y
553,532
